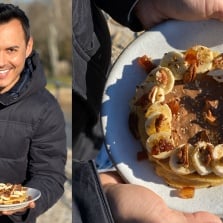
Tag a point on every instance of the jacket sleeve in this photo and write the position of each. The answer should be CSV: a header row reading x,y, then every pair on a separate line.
x,y
47,158
122,12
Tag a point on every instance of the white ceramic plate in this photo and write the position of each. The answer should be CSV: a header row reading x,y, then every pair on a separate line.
x,y
34,193
120,88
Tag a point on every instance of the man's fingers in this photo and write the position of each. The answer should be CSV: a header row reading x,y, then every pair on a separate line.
x,y
30,205
203,217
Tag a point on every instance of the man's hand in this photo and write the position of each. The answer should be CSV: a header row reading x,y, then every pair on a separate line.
x,y
30,205
133,203
151,12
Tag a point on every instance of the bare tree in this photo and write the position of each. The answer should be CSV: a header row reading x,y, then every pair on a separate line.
x,y
51,28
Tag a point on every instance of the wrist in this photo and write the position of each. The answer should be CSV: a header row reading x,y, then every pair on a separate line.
x,y
111,177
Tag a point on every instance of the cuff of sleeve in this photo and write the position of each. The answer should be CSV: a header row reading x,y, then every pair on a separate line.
x,y
106,170
132,19
20,216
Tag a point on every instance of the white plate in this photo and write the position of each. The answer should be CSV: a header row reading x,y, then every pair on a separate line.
x,y
34,193
120,88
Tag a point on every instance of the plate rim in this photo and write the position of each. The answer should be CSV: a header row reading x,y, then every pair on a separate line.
x,y
25,202
105,97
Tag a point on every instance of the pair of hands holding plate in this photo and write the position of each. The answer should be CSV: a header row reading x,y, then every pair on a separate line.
x,y
135,203
120,88
20,210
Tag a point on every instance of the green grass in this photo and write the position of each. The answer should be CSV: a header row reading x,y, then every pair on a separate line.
x,y
61,81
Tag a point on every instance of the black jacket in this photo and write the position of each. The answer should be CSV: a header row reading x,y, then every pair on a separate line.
x,y
90,35
91,60
33,141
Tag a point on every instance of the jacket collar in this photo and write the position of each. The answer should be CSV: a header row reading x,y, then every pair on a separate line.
x,y
14,93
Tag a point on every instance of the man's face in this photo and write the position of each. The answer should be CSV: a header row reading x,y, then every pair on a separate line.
x,y
13,52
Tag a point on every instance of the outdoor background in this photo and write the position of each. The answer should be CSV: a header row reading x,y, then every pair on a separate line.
x,y
50,22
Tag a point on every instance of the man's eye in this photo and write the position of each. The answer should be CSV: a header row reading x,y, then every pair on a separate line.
x,y
11,50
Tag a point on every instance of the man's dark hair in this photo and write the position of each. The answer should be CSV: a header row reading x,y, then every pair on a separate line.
x,y
9,12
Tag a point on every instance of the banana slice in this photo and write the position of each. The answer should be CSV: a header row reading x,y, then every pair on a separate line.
x,y
201,56
176,63
180,160
217,164
142,89
148,91
216,74
145,100
218,60
202,157
160,145
157,122
162,77
157,94
159,107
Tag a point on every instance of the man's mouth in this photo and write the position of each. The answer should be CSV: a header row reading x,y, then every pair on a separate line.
x,y
3,73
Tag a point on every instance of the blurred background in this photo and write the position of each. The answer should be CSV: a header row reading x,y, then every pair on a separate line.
x,y
51,28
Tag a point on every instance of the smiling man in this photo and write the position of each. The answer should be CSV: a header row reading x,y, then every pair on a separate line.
x,y
32,127
14,49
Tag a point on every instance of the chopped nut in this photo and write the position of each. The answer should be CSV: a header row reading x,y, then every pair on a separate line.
x,y
183,157
206,154
210,118
146,63
158,122
218,61
190,74
174,106
161,77
186,192
211,104
162,146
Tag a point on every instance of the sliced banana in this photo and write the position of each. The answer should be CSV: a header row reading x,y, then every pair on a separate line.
x,y
157,95
200,55
160,145
152,92
216,74
217,61
202,157
142,89
159,107
157,122
180,160
162,77
176,63
217,163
